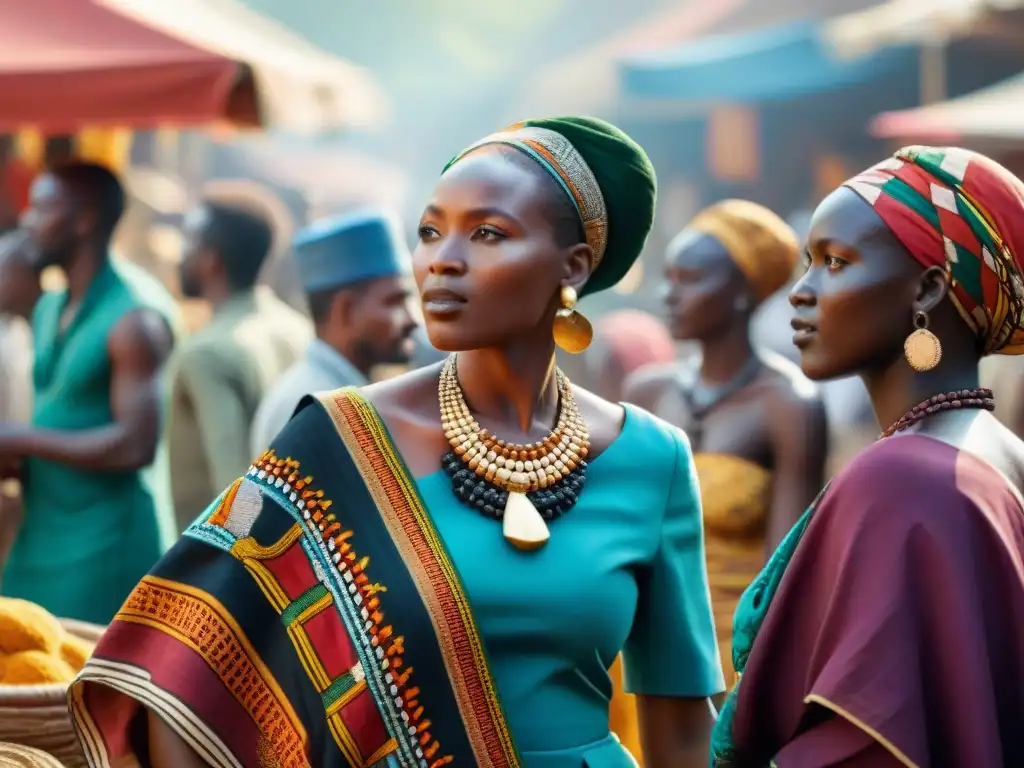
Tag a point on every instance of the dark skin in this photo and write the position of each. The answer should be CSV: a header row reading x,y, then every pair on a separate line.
x,y
855,262
166,748
371,324
777,421
63,227
855,306
487,237
201,271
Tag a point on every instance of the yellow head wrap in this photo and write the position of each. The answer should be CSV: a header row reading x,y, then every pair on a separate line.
x,y
764,247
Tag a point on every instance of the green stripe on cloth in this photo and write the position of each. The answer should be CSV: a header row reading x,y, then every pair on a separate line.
x,y
931,159
906,195
338,688
301,603
967,271
977,224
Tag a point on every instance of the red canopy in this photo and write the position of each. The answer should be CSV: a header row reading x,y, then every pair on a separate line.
x,y
995,113
69,63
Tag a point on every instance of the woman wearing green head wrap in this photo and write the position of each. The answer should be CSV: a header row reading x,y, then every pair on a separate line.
x,y
440,569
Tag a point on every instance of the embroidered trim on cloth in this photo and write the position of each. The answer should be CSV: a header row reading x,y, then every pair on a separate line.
x,y
356,681
348,679
855,721
230,516
438,584
199,621
559,158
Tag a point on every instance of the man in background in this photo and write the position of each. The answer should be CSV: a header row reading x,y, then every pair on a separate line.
x,y
16,177
99,349
221,373
19,292
356,273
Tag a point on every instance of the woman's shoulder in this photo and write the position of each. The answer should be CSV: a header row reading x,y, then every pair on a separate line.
x,y
406,392
657,432
911,483
905,466
394,400
640,430
903,460
646,449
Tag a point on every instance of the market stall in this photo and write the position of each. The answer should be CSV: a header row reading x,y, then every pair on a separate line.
x,y
993,114
69,64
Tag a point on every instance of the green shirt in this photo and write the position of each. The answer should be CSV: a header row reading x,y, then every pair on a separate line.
x,y
88,535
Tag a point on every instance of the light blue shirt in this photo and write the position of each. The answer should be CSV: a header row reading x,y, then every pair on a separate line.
x,y
322,369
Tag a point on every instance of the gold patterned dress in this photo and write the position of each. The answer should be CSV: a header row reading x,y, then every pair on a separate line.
x,y
736,495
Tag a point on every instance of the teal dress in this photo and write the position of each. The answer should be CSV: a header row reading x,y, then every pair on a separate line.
x,y
88,536
624,570
323,612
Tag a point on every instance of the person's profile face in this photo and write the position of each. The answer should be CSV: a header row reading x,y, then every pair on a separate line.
x,y
701,286
194,252
49,220
854,303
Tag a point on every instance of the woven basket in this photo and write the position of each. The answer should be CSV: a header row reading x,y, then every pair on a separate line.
x,y
19,756
37,715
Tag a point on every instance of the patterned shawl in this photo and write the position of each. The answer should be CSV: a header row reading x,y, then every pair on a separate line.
x,y
962,211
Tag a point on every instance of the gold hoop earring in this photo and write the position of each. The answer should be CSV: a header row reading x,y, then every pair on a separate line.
x,y
572,331
922,348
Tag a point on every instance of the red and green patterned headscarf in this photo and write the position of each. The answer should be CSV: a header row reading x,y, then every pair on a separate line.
x,y
962,211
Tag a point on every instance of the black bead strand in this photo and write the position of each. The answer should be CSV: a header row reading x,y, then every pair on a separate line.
x,y
474,491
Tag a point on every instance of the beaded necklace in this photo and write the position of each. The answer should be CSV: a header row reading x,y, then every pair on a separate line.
x,y
523,485
962,398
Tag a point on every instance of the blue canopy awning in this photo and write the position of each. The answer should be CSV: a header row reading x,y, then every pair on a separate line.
x,y
762,65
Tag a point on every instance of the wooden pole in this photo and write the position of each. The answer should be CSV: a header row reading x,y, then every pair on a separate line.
x,y
933,70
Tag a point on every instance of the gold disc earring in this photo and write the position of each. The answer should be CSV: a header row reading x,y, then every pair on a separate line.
x,y
572,331
922,348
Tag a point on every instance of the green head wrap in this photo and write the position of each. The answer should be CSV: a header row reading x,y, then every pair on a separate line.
x,y
607,176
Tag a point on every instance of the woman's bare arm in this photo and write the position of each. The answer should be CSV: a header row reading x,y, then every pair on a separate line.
x,y
675,733
167,749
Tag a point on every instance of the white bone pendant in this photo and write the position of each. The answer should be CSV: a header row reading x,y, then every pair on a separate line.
x,y
522,524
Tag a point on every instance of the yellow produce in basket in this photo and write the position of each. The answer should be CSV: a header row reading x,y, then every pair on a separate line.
x,y
36,668
34,647
24,626
75,651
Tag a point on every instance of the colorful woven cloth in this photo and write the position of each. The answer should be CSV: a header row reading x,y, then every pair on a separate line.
x,y
958,209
